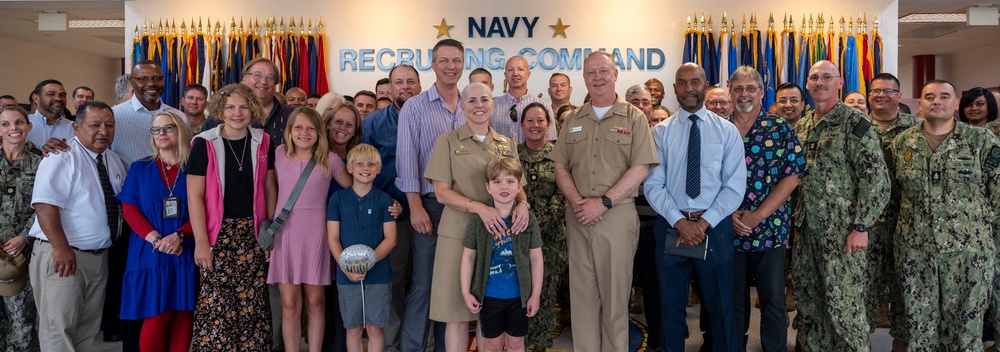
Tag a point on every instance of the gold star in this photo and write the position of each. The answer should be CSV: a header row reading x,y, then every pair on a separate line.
x,y
559,28
443,29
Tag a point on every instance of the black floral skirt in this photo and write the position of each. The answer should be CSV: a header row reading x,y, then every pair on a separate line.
x,y
233,312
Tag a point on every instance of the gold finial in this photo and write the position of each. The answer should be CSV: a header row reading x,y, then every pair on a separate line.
x,y
136,31
145,28
725,21
710,29
702,21
310,25
865,23
291,25
820,23
232,26
803,28
810,23
689,22
744,26
850,23
770,21
875,22
753,21
183,28
302,26
218,27
319,27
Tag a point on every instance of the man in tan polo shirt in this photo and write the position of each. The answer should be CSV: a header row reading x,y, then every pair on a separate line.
x,y
602,155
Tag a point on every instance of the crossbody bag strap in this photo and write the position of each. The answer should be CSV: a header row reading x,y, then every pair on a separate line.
x,y
295,194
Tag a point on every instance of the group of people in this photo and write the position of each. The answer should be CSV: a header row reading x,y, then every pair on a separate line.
x,y
144,221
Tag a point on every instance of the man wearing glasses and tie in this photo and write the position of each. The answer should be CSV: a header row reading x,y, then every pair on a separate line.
x,y
844,196
507,108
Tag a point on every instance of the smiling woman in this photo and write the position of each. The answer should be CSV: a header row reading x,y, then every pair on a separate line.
x,y
978,107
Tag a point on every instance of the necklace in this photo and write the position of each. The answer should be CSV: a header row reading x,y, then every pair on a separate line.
x,y
170,186
239,161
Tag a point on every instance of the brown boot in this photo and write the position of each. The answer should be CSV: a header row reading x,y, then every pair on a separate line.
x,y
882,315
899,346
789,301
638,305
988,349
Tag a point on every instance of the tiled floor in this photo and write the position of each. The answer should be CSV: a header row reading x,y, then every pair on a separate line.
x,y
880,340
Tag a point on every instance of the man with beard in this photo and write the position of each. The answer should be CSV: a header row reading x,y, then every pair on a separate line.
x,y
193,104
134,116
379,130
846,192
790,102
696,188
763,222
507,108
48,122
717,100
889,122
655,91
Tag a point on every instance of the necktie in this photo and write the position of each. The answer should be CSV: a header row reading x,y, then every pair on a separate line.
x,y
109,196
694,159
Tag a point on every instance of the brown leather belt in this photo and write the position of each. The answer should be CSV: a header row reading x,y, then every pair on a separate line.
x,y
91,251
692,215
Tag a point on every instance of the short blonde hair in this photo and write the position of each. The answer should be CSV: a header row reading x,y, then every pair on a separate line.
x,y
498,166
217,106
183,137
364,152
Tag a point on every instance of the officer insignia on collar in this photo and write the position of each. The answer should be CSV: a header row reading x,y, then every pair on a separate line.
x,y
993,158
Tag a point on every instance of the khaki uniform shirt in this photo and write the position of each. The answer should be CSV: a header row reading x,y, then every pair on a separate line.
x,y
598,151
849,182
460,159
946,197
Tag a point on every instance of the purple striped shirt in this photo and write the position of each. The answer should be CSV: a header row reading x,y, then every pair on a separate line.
x,y
422,119
501,122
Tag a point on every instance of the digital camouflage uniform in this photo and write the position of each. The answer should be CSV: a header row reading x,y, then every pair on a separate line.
x,y
944,244
994,127
884,282
848,185
18,313
549,207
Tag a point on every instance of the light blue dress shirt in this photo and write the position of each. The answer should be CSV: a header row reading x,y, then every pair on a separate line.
x,y
723,169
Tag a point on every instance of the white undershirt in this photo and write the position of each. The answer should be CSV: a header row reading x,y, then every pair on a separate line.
x,y
602,110
481,138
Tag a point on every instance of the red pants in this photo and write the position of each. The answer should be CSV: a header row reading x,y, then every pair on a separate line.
x,y
173,326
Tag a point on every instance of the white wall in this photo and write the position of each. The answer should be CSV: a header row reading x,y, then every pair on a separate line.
x,y
594,24
25,64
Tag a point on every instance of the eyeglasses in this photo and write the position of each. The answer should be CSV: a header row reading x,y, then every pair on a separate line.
x,y
749,89
145,80
258,75
513,113
825,78
786,101
887,91
717,102
165,128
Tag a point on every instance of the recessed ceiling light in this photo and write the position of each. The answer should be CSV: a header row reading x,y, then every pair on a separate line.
x,y
97,23
933,18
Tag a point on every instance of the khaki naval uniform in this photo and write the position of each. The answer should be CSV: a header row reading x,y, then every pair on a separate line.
x,y
944,243
598,151
459,159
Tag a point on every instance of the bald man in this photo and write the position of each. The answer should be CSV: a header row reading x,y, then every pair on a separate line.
x,y
507,108
844,196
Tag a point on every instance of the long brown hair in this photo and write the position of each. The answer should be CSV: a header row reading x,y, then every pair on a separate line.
x,y
321,149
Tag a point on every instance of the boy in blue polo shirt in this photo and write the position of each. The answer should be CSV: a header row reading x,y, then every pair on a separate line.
x,y
360,215
502,275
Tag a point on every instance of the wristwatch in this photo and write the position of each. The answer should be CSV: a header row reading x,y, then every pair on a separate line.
x,y
860,228
606,201
181,235
525,204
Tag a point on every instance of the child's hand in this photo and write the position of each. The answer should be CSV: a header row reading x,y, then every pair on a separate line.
x,y
355,277
532,306
395,209
267,256
472,303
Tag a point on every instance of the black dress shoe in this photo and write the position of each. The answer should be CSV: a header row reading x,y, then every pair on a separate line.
x,y
113,337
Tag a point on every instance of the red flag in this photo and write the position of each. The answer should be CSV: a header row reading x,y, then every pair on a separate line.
x,y
322,85
303,63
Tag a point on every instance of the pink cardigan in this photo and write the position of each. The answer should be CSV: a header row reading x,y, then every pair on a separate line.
x,y
215,178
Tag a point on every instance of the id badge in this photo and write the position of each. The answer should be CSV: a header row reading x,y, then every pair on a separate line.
x,y
171,207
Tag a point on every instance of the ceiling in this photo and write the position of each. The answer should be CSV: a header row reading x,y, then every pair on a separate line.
x,y
18,20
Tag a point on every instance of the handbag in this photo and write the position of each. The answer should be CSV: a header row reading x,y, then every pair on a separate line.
x,y
265,237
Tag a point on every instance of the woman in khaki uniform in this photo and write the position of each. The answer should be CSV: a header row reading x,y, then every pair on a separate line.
x,y
457,169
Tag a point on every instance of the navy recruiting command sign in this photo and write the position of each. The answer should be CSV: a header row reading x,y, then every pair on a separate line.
x,y
523,28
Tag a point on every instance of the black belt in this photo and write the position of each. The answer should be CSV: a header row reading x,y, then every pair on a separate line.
x,y
91,251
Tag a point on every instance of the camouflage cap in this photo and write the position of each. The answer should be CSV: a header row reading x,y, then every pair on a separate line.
x,y
13,274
